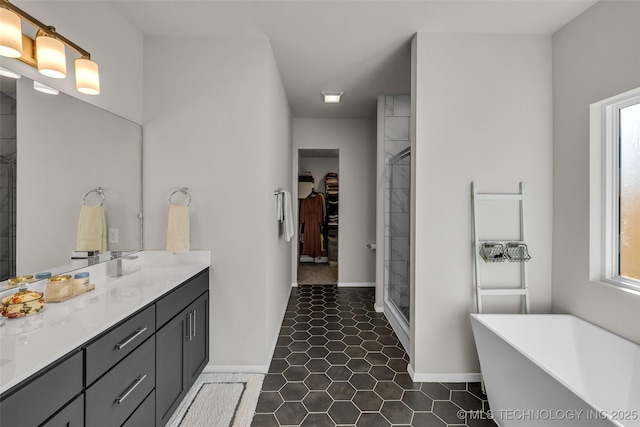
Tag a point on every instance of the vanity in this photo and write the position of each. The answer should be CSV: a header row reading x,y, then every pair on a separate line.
x,y
124,354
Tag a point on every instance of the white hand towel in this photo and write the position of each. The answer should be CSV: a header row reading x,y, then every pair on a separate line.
x,y
92,229
288,215
178,229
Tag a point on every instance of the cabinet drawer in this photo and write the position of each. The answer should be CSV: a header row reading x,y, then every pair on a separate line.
x,y
71,416
114,397
109,349
41,398
173,303
145,415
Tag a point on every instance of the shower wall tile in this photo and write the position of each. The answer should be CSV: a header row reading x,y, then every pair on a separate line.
x,y
8,147
4,175
387,272
391,148
401,105
4,248
387,199
401,176
4,199
387,248
388,106
8,126
4,270
399,226
399,200
4,224
399,273
399,249
396,128
7,104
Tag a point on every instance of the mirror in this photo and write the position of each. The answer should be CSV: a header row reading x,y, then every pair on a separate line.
x,y
55,150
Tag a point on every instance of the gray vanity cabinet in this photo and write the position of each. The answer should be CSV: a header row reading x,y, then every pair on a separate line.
x,y
71,416
135,374
44,394
198,342
182,351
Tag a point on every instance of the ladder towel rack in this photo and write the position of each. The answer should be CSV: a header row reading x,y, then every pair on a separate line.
x,y
500,250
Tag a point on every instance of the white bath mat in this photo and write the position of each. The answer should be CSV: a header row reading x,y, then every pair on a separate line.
x,y
219,400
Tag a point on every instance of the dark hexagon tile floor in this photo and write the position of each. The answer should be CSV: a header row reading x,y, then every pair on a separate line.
x,y
338,363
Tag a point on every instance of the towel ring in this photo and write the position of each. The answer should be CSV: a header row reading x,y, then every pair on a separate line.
x,y
98,190
184,191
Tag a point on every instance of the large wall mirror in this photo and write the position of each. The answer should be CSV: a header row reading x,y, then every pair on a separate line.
x,y
55,149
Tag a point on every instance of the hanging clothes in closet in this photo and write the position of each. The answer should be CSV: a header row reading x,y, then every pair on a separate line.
x,y
312,211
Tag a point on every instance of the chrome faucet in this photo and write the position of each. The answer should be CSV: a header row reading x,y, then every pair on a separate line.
x,y
114,267
92,257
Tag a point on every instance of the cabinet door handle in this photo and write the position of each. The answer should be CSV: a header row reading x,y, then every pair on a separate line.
x,y
194,323
190,327
131,338
131,388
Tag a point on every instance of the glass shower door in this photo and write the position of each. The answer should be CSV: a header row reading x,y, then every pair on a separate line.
x,y
397,236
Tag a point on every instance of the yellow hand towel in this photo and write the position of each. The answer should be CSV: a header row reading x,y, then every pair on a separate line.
x,y
178,229
92,229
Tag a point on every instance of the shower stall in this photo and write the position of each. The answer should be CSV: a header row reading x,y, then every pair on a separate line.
x,y
397,216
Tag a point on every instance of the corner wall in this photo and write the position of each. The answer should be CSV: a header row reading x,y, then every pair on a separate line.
x,y
220,124
482,109
595,57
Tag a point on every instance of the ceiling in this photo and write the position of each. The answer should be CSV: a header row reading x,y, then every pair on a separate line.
x,y
361,47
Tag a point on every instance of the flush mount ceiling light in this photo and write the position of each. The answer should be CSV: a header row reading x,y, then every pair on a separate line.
x,y
44,88
47,52
331,97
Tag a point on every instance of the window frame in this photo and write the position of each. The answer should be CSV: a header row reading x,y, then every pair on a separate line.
x,y
605,191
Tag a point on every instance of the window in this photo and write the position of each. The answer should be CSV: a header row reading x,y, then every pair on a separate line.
x,y
615,190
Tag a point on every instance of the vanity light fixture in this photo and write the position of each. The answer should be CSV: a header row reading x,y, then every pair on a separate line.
x,y
47,52
331,97
44,88
10,34
8,73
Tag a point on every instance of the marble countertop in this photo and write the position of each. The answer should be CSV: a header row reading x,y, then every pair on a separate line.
x,y
31,343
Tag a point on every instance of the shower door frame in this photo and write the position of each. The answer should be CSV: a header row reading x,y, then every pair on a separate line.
x,y
400,324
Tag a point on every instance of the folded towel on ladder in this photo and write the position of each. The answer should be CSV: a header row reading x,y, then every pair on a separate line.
x,y
92,229
178,229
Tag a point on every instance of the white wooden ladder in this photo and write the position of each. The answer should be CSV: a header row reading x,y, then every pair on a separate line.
x,y
523,289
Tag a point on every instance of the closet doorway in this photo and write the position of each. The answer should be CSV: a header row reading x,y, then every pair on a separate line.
x,y
318,207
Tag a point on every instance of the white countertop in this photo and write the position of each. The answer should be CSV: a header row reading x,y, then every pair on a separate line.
x,y
31,343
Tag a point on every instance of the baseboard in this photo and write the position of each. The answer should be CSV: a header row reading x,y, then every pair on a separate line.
x,y
378,309
347,285
356,284
442,378
245,369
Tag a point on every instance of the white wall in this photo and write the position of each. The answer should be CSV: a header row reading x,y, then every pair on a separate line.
x,y
113,43
222,127
481,111
356,140
595,57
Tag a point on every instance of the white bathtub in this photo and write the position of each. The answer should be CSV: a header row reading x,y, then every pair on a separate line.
x,y
557,370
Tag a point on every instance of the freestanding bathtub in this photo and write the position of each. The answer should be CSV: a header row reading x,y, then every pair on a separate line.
x,y
556,370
